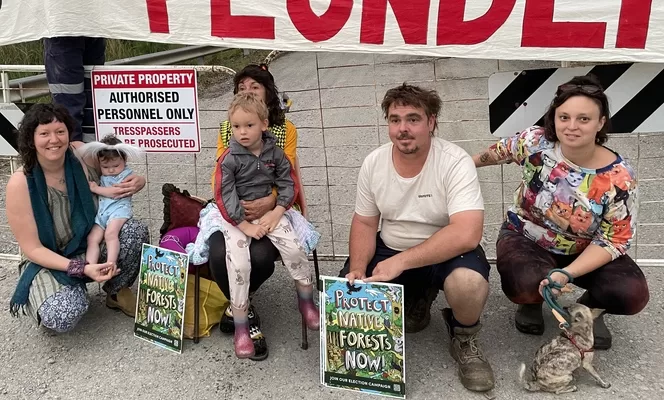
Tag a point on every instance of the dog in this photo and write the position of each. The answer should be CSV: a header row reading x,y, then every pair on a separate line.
x,y
555,361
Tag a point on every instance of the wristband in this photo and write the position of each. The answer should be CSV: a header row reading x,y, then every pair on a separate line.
x,y
76,268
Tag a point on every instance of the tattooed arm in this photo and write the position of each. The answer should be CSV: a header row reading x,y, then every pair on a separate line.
x,y
513,149
485,158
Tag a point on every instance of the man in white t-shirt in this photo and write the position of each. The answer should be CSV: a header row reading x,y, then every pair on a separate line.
x,y
425,194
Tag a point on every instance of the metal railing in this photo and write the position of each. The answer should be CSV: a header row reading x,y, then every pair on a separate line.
x,y
19,90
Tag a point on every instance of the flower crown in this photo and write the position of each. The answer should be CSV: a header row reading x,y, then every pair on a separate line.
x,y
94,148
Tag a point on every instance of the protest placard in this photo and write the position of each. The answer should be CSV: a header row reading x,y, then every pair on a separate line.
x,y
161,297
362,337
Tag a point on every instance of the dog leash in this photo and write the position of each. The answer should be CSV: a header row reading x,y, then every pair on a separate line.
x,y
547,292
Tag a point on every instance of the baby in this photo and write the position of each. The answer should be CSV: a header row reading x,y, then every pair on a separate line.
x,y
249,169
112,213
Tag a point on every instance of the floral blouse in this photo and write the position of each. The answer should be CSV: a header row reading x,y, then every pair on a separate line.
x,y
564,207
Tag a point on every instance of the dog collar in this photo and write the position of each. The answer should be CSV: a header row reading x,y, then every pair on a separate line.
x,y
581,351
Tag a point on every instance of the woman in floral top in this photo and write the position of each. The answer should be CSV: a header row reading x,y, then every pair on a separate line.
x,y
575,209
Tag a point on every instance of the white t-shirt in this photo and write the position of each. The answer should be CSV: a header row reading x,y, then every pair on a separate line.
x,y
413,209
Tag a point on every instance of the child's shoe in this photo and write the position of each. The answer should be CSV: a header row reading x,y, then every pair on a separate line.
x,y
244,346
310,314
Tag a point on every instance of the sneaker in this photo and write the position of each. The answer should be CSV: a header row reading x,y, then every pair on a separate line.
x,y
260,345
227,325
418,310
125,301
475,372
529,320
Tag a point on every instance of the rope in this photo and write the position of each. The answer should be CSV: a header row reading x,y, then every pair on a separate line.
x,y
547,292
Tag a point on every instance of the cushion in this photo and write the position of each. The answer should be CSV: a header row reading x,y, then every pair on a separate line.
x,y
181,209
177,240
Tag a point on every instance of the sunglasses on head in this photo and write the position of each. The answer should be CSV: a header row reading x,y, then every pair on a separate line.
x,y
587,89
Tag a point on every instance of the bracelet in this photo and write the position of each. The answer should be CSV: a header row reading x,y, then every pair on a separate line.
x,y
75,268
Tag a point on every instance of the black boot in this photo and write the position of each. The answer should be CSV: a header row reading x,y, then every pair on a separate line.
x,y
418,310
602,335
529,319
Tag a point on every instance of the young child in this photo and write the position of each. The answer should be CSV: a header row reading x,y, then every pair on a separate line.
x,y
112,213
249,169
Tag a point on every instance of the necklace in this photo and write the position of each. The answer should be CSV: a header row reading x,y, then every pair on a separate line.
x,y
60,180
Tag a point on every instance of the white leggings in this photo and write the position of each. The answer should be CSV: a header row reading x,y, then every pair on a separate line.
x,y
238,260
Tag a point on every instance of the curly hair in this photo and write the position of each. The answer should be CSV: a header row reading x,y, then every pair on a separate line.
x,y
260,74
39,114
414,96
588,86
249,102
107,154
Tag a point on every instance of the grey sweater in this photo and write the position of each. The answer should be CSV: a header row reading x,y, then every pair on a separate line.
x,y
244,176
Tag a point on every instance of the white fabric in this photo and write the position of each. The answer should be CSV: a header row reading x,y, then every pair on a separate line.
x,y
413,209
470,29
238,259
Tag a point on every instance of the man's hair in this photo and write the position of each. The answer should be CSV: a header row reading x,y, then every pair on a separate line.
x,y
108,154
414,96
250,103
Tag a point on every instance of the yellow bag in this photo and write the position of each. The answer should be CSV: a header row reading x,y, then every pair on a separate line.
x,y
212,304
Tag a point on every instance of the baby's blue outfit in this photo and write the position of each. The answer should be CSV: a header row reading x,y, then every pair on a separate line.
x,y
113,208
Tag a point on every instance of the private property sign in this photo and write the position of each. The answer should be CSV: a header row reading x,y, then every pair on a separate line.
x,y
155,110
572,30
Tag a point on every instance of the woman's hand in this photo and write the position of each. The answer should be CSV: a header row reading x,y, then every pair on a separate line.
x,y
101,272
562,279
255,209
129,186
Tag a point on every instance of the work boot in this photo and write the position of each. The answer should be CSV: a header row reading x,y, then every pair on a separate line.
x,y
529,319
418,310
602,335
474,370
125,301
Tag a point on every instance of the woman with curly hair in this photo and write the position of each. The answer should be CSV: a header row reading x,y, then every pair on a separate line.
x,y
258,80
51,210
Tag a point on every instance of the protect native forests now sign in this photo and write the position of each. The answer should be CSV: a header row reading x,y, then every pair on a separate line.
x,y
565,30
155,110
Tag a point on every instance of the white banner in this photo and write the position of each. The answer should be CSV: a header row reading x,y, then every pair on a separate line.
x,y
566,30
155,110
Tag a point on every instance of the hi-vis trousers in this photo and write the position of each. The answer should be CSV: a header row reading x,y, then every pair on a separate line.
x,y
238,261
64,58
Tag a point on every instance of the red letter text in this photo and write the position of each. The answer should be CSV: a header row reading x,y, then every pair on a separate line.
x,y
316,28
225,25
158,16
452,29
539,30
412,17
633,26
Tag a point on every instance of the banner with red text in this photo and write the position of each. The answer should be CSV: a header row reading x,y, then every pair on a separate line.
x,y
565,30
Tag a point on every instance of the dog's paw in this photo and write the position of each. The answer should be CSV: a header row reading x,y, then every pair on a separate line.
x,y
605,385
